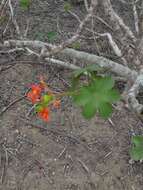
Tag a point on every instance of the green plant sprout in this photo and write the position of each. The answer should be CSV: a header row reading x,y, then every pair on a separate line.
x,y
24,4
51,36
136,151
67,7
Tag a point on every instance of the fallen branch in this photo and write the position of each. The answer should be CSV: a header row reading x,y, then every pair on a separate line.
x,y
62,63
133,92
112,66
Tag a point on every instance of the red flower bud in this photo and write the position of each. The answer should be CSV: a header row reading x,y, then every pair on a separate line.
x,y
57,104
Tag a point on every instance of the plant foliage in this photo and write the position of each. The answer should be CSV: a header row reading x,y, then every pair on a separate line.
x,y
67,6
136,151
25,4
51,36
97,95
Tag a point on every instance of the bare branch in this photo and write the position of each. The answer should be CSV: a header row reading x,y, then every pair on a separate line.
x,y
103,22
116,19
25,43
86,5
2,6
112,66
114,46
141,20
13,19
62,63
136,19
78,32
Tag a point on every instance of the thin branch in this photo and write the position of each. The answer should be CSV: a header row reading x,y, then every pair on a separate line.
x,y
136,19
62,63
2,6
13,19
114,46
11,104
11,51
27,28
77,34
116,19
86,5
27,43
103,22
31,52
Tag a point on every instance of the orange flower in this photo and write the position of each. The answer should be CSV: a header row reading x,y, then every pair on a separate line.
x,y
33,97
44,114
34,94
57,104
36,89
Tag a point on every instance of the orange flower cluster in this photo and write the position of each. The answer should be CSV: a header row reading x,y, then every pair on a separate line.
x,y
34,94
44,101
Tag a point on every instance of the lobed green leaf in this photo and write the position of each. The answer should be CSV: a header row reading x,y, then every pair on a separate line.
x,y
97,96
136,151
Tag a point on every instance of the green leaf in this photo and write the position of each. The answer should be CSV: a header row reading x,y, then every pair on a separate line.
x,y
67,7
104,83
51,35
39,36
38,107
136,151
113,95
44,102
137,140
105,110
74,83
97,96
82,99
25,4
89,111
62,123
46,99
